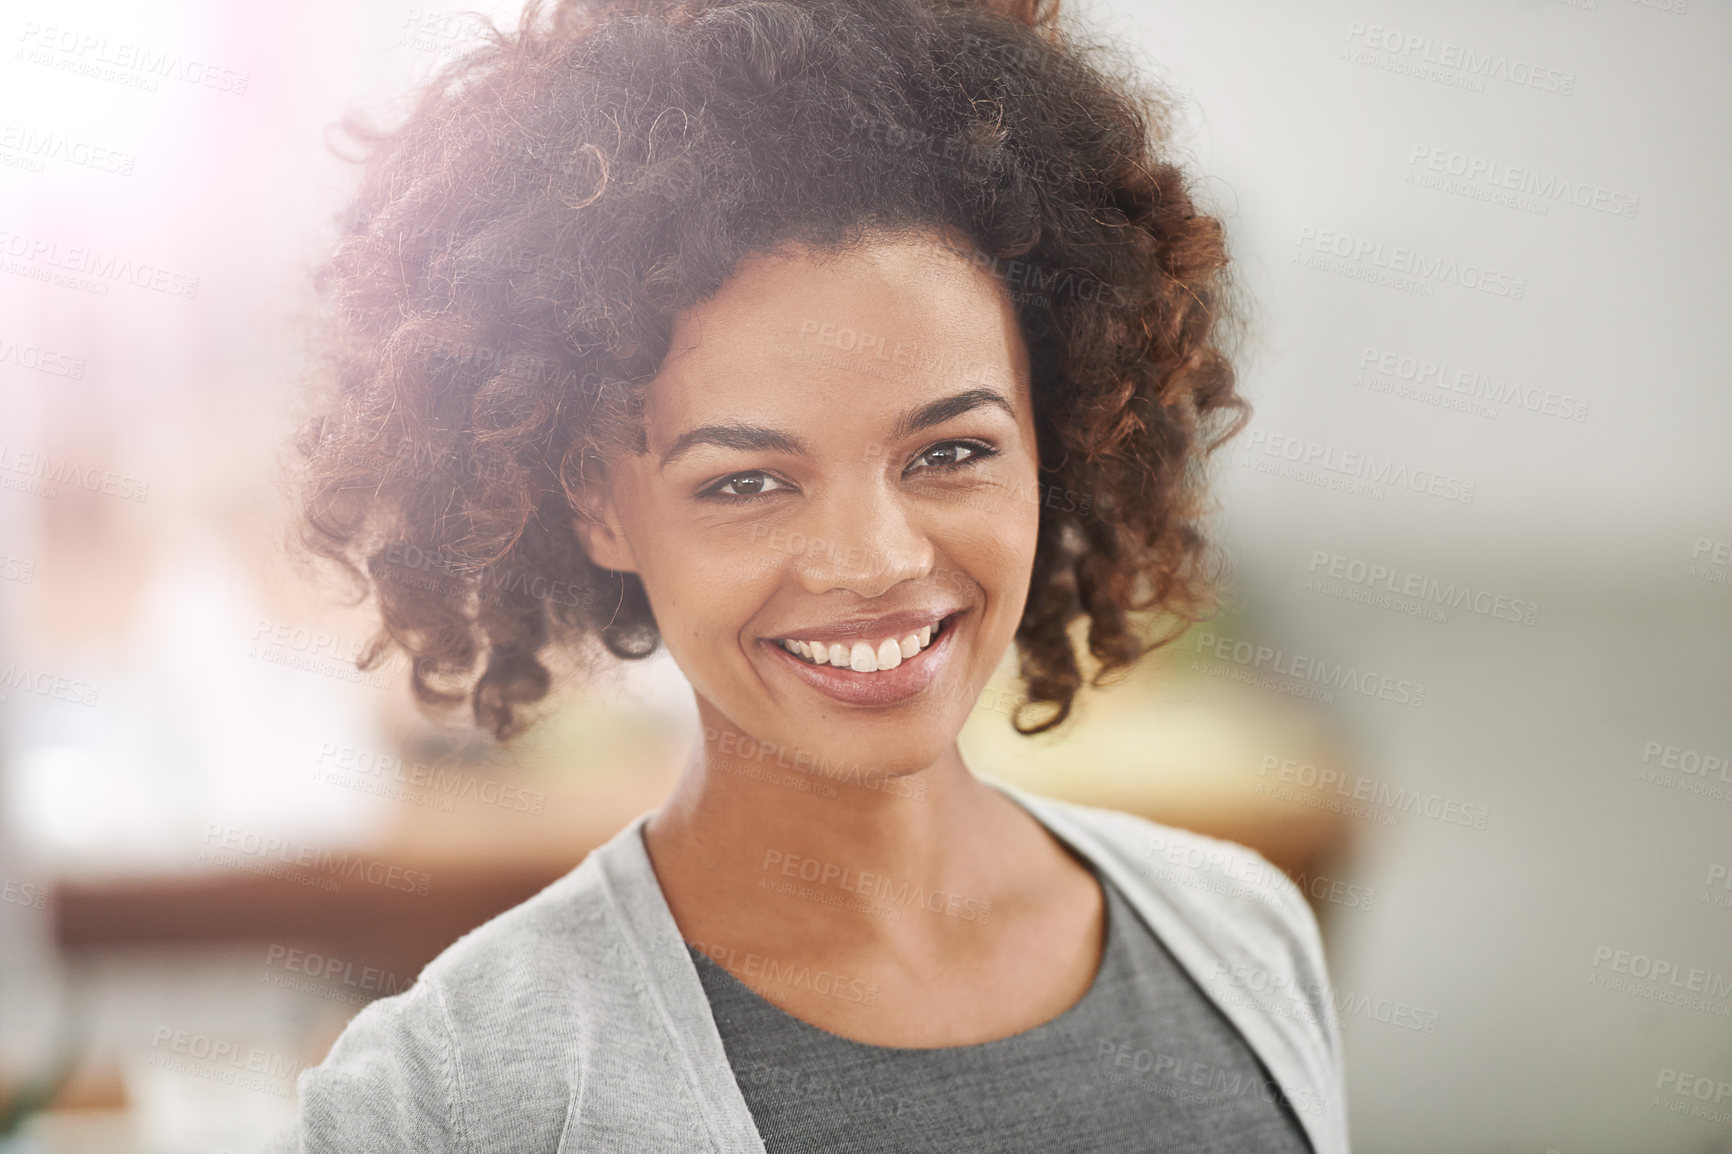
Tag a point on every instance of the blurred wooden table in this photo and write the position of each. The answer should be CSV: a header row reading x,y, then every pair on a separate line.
x,y
1183,750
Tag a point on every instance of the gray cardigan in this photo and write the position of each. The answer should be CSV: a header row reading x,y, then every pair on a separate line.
x,y
576,1021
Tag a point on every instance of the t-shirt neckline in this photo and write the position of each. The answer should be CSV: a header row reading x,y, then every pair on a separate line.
x,y
1114,944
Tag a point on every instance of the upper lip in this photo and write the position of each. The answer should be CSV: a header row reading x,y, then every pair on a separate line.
x,y
870,628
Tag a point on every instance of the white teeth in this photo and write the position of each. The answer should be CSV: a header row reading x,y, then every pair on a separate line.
x,y
863,656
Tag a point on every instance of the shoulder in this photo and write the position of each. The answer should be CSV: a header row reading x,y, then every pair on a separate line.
x,y
486,1030
1247,912
502,967
1239,892
390,1083
1243,928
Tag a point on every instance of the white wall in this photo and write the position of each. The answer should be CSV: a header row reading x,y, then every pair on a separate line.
x,y
1596,522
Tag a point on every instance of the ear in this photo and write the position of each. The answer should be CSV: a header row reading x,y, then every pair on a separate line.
x,y
599,529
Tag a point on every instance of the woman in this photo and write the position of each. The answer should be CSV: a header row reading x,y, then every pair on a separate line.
x,y
837,345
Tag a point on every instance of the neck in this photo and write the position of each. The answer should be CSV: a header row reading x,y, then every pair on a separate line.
x,y
741,818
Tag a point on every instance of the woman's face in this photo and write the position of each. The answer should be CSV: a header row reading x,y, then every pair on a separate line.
x,y
841,454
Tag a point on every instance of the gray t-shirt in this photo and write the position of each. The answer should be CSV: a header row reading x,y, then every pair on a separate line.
x,y
1143,1062
578,1020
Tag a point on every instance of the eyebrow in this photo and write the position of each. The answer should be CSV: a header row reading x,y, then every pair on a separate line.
x,y
760,438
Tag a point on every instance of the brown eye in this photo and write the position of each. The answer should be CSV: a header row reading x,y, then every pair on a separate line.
x,y
744,485
952,455
948,455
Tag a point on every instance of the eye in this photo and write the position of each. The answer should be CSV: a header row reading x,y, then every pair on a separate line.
x,y
949,456
745,485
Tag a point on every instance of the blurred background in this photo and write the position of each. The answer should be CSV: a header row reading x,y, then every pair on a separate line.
x,y
1472,688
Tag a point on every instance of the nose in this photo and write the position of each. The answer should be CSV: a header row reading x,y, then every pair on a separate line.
x,y
863,538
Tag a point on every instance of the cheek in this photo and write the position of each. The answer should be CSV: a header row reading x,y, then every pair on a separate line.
x,y
996,551
1009,558
703,584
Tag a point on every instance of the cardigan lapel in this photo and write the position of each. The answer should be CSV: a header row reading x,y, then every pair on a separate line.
x,y
1198,958
675,994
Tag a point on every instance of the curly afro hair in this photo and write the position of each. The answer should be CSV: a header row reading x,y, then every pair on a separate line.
x,y
508,271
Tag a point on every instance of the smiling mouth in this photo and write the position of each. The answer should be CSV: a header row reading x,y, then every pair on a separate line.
x,y
866,656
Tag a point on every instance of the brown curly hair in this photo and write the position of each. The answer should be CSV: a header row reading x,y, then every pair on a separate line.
x,y
508,271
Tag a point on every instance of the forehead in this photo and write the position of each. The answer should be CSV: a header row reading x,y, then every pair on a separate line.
x,y
841,335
